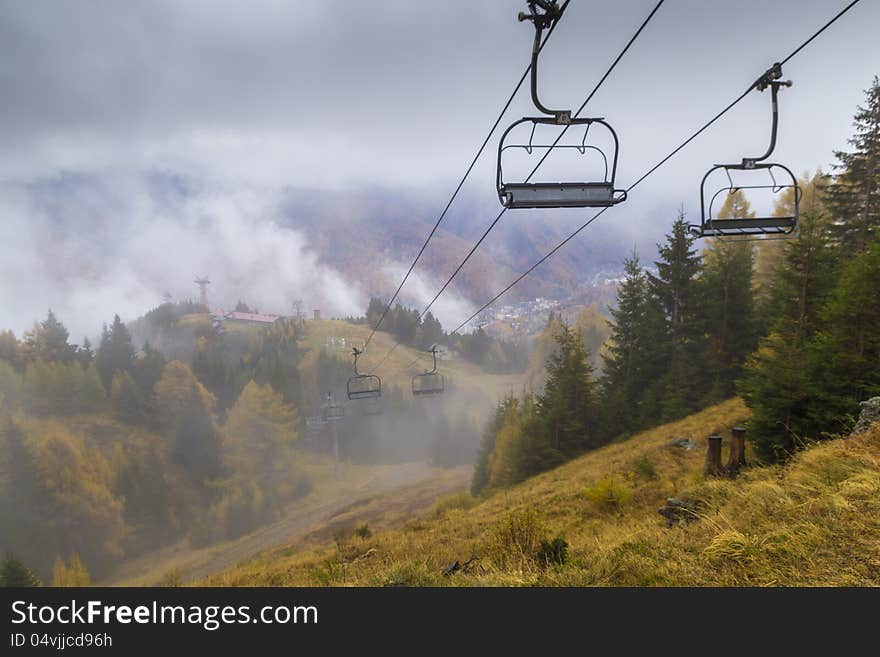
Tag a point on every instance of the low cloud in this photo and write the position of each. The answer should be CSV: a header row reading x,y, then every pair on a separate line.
x,y
88,249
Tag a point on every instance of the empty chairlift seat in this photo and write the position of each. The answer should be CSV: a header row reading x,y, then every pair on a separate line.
x,y
428,383
563,194
331,411
364,386
780,179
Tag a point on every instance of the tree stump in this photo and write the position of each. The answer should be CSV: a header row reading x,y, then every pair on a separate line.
x,y
737,458
713,456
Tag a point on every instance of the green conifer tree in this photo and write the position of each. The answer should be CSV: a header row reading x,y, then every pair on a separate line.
x,y
673,329
13,573
777,385
854,198
568,405
623,370
115,352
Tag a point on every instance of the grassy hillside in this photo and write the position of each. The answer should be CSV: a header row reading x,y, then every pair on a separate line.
x,y
360,490
815,521
459,373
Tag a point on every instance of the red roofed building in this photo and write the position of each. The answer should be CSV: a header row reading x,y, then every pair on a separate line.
x,y
266,319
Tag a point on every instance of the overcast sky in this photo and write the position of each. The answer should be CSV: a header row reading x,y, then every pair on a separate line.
x,y
266,94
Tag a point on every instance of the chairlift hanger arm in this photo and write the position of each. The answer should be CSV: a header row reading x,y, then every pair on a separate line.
x,y
770,78
434,355
549,14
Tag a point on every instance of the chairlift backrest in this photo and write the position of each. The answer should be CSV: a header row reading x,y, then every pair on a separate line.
x,y
564,194
780,179
428,383
363,386
764,224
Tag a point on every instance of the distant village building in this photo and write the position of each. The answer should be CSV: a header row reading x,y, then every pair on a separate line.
x,y
317,313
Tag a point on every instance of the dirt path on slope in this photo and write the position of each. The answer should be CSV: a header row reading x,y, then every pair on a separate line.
x,y
381,499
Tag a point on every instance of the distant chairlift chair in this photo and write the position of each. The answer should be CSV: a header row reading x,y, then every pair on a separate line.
x,y
430,382
363,386
781,178
331,410
526,194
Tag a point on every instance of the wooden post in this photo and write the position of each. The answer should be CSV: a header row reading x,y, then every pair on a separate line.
x,y
335,451
737,458
713,456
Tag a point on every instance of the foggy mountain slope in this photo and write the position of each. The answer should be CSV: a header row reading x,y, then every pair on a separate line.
x,y
351,229
120,241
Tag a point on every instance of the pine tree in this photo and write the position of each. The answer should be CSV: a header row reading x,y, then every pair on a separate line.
x,y
10,386
48,341
777,385
770,254
854,198
115,352
9,348
85,354
13,573
89,394
128,404
622,370
568,404
672,329
147,369
846,349
727,305
374,311
430,331
480,480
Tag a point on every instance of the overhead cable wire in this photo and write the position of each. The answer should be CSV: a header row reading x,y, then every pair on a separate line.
x,y
534,170
462,181
649,172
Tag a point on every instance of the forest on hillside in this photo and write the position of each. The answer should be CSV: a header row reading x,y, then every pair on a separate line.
x,y
112,451
793,326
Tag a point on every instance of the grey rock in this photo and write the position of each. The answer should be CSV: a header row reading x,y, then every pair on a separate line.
x,y
682,443
869,414
678,512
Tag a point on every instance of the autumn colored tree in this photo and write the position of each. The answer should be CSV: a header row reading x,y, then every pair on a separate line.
x,y
48,341
184,412
261,430
73,573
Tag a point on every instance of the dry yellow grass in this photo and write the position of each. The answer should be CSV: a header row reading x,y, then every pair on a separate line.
x,y
815,521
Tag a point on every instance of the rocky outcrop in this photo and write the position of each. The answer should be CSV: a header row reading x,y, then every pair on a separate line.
x,y
869,415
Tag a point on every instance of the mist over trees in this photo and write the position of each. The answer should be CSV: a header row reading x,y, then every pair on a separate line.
x,y
111,452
